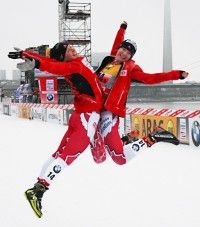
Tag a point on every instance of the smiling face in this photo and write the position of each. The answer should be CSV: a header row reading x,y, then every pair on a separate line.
x,y
122,55
71,53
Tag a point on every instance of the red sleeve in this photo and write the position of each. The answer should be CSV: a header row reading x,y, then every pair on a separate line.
x,y
56,67
60,68
118,39
153,78
36,56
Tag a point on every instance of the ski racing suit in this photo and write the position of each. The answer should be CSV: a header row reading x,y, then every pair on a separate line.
x,y
116,80
83,122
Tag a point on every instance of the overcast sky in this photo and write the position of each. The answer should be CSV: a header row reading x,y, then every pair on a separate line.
x,y
31,23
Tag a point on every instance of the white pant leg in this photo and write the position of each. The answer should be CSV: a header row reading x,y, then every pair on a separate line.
x,y
45,165
134,148
51,169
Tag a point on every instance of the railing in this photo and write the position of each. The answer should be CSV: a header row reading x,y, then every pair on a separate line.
x,y
164,93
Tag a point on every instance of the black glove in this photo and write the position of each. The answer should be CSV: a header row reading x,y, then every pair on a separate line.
x,y
15,55
124,25
183,75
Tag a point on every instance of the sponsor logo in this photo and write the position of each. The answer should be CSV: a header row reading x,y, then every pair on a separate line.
x,y
196,133
136,147
57,169
50,97
105,126
123,72
106,122
50,85
163,136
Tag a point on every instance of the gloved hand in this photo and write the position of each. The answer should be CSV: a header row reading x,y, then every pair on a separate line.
x,y
183,75
15,54
124,25
29,63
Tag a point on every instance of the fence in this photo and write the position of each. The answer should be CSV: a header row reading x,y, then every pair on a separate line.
x,y
182,122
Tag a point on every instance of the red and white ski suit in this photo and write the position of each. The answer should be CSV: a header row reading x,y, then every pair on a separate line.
x,y
115,98
88,101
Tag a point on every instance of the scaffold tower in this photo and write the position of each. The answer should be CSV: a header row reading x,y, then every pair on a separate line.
x,y
75,25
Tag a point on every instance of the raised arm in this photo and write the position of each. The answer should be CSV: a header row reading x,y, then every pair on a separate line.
x,y
119,38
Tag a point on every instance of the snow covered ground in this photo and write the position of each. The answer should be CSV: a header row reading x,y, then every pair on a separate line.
x,y
159,188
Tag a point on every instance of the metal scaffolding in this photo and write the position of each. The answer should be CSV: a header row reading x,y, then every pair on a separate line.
x,y
75,25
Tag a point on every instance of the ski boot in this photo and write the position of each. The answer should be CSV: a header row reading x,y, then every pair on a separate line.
x,y
34,196
130,137
160,135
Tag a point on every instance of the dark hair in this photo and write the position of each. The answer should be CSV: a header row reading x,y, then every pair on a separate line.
x,y
58,51
130,46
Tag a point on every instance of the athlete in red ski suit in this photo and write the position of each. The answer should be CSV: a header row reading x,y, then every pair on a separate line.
x,y
116,73
88,101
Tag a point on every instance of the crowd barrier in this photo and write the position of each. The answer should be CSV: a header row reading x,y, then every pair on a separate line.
x,y
52,113
185,124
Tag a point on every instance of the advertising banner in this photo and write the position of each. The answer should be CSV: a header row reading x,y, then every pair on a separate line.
x,y
48,87
14,109
38,112
146,123
55,114
24,111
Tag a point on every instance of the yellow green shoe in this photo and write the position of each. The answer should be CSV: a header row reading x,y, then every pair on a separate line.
x,y
34,202
34,196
